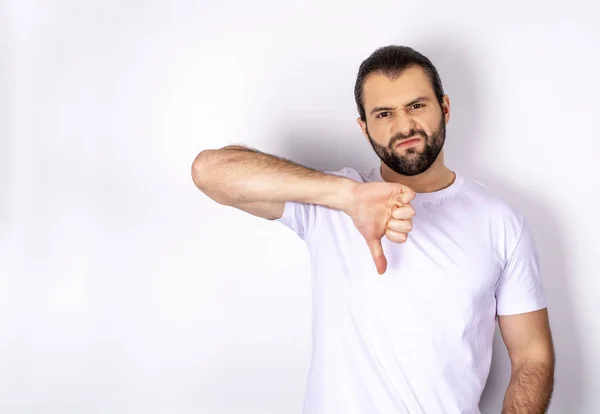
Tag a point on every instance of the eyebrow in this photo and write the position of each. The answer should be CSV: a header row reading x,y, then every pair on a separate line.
x,y
419,99
391,108
381,108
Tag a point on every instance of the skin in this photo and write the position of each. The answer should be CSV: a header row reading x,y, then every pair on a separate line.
x,y
405,112
396,109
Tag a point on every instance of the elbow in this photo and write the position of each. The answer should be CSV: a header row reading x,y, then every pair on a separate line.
x,y
200,168
210,159
204,169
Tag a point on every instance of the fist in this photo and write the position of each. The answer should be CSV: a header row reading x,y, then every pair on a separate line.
x,y
380,209
400,223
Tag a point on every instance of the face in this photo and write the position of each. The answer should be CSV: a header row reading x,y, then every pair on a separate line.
x,y
405,123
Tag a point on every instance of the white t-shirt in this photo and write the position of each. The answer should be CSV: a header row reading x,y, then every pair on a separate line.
x,y
417,339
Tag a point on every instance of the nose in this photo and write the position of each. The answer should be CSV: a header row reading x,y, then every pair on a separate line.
x,y
404,125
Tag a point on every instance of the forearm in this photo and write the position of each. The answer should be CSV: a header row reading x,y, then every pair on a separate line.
x,y
235,175
530,388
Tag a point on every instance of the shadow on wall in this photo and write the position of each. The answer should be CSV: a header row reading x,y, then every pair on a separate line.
x,y
323,150
453,63
319,148
4,115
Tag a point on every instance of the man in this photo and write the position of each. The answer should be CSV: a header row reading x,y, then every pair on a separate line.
x,y
407,328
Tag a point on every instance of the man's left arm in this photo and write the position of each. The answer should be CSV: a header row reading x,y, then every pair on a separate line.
x,y
529,343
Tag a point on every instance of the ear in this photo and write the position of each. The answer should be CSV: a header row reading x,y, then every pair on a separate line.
x,y
363,127
446,108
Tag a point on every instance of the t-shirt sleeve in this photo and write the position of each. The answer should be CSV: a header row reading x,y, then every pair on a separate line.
x,y
519,288
300,217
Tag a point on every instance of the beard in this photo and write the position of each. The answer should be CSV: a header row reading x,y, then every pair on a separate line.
x,y
412,162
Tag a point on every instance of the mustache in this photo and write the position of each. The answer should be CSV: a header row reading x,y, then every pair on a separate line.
x,y
413,133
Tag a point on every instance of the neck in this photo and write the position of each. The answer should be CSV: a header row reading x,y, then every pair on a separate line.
x,y
437,177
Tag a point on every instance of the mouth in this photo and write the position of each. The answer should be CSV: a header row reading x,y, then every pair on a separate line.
x,y
408,142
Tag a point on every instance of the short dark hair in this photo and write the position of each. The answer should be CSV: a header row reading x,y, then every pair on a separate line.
x,y
391,61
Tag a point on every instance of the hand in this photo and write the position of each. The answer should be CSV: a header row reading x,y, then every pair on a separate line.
x,y
380,209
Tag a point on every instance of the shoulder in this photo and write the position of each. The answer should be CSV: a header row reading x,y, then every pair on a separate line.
x,y
354,174
491,205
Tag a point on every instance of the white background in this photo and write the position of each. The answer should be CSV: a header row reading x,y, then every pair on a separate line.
x,y
123,289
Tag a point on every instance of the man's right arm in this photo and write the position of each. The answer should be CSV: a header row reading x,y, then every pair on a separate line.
x,y
260,183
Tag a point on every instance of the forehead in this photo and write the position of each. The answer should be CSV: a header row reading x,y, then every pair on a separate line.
x,y
379,90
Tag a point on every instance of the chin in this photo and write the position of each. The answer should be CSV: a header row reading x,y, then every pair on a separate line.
x,y
411,154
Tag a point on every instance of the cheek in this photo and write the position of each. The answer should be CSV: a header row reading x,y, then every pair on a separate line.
x,y
427,126
384,140
431,122
381,133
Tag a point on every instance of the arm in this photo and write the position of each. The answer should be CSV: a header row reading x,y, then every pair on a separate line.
x,y
260,183
529,343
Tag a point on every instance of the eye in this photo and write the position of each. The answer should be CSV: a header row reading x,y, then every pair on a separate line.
x,y
417,106
383,114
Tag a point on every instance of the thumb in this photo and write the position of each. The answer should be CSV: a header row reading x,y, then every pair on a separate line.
x,y
399,200
404,195
378,256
